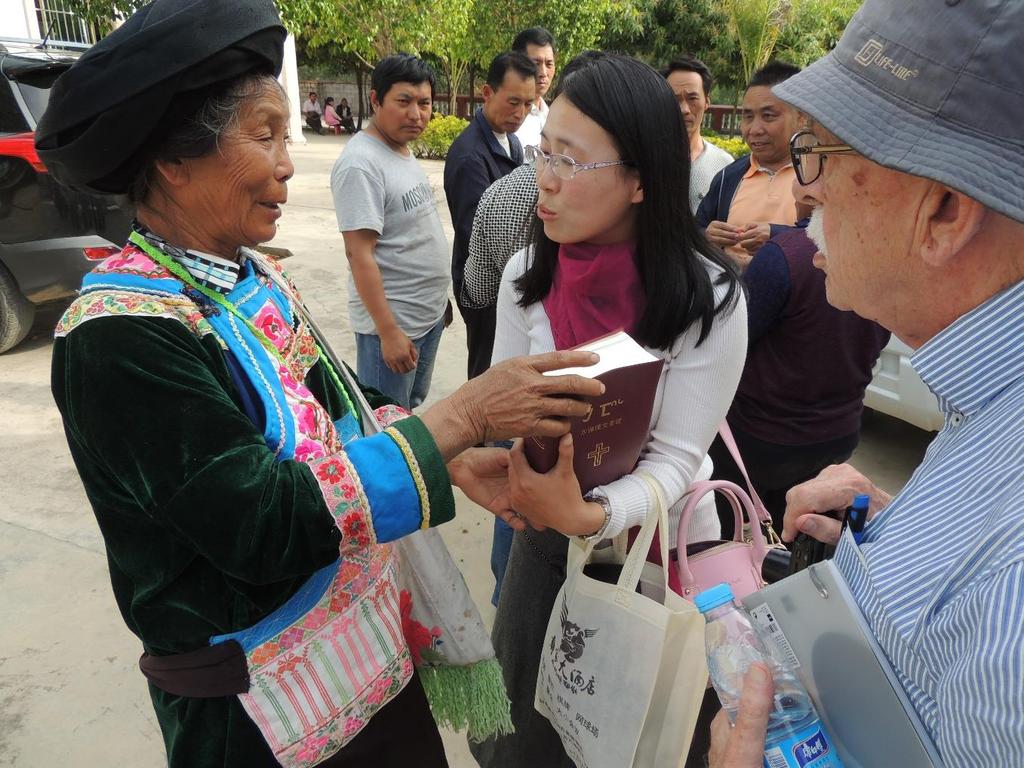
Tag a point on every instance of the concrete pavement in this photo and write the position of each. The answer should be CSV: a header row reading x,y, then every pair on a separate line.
x,y
70,691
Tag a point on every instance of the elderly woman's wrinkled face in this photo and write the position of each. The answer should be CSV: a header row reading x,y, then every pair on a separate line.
x,y
233,197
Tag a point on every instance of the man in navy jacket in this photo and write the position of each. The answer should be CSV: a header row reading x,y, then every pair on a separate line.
x,y
484,152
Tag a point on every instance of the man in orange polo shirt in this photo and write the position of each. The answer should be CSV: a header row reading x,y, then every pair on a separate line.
x,y
751,200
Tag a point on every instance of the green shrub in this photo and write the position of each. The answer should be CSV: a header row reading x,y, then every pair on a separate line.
x,y
734,145
437,137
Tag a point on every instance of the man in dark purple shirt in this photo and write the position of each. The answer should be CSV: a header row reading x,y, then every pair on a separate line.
x,y
799,402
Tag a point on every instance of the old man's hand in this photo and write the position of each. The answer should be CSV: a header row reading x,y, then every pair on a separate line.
x,y
833,488
742,745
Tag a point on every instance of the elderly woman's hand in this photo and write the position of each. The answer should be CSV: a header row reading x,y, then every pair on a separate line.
x,y
742,745
482,474
513,399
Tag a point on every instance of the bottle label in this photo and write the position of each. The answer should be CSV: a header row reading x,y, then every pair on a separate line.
x,y
807,748
770,631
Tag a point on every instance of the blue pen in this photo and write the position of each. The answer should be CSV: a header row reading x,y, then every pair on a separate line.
x,y
857,516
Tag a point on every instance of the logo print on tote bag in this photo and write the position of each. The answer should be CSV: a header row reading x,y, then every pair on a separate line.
x,y
568,651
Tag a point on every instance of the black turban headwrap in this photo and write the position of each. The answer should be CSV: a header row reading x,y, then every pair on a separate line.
x,y
109,112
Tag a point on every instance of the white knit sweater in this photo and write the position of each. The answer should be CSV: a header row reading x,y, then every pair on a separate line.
x,y
696,388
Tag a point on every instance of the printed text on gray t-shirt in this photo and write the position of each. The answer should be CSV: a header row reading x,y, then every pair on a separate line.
x,y
378,189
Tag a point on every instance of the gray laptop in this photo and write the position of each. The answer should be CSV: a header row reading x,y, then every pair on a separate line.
x,y
814,623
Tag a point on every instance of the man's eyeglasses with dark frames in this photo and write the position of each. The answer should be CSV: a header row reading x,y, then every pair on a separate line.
x,y
808,155
563,166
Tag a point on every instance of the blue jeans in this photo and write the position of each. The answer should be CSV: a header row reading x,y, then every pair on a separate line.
x,y
501,544
410,389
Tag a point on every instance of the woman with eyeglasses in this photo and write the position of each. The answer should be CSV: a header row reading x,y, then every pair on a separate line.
x,y
614,246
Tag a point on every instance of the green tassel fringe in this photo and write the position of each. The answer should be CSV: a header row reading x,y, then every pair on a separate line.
x,y
470,698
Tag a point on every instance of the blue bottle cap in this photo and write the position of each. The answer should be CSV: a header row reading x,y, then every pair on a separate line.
x,y
710,599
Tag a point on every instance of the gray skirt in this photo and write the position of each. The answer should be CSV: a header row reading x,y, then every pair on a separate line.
x,y
535,573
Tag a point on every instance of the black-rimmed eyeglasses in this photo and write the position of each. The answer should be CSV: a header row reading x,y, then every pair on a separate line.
x,y
563,166
808,155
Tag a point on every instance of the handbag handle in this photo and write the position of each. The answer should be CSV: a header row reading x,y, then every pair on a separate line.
x,y
730,443
736,496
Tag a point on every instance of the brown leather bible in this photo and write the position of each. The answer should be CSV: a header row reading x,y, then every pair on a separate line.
x,y
607,442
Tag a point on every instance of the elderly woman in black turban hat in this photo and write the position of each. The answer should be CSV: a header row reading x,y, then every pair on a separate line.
x,y
236,470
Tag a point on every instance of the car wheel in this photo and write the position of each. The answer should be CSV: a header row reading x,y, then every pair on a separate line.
x,y
16,312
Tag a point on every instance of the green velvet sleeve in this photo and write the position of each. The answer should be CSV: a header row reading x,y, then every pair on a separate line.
x,y
153,408
156,407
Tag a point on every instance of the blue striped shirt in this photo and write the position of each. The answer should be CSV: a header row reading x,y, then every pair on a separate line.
x,y
940,572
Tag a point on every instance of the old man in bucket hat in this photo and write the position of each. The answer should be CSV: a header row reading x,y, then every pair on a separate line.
x,y
915,167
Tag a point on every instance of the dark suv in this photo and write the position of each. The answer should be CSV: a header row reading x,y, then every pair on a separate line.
x,y
50,236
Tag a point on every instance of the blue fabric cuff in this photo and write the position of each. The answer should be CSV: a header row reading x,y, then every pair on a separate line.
x,y
388,485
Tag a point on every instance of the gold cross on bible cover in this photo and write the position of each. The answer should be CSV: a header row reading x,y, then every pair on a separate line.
x,y
596,456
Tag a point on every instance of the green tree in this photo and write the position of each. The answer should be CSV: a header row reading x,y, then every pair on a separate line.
x,y
367,29
664,29
449,38
756,25
814,28
104,13
576,24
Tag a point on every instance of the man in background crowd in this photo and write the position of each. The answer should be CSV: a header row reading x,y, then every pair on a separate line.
x,y
537,44
312,111
751,201
691,81
396,248
799,403
484,152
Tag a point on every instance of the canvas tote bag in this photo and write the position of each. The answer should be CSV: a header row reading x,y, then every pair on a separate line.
x,y
622,675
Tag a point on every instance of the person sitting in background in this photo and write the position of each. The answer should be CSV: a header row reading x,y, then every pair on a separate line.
x,y
344,112
331,116
690,80
914,165
751,201
312,111
614,246
800,399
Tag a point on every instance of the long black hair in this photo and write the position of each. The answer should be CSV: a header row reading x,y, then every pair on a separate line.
x,y
637,108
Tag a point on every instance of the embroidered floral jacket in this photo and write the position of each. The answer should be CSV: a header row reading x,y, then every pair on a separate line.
x,y
206,531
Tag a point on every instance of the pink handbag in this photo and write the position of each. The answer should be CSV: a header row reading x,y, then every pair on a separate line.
x,y
737,562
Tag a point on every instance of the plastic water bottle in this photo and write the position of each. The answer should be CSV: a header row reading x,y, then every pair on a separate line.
x,y
796,737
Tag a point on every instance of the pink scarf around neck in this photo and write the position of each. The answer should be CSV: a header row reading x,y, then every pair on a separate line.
x,y
597,289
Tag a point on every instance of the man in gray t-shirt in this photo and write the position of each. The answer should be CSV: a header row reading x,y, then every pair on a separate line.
x,y
397,252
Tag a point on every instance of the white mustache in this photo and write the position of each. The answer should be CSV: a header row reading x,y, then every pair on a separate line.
x,y
816,230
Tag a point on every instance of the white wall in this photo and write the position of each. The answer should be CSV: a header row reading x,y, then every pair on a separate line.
x,y
18,19
290,80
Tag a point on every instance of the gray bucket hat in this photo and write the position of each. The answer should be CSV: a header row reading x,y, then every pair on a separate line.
x,y
933,88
